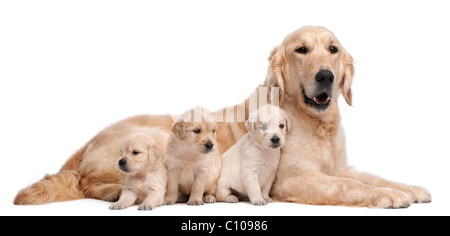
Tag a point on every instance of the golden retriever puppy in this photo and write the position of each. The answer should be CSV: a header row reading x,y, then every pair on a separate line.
x,y
308,73
249,167
142,161
192,159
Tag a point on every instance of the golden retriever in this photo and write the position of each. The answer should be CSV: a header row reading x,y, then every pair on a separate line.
x,y
249,167
192,158
142,161
311,69
308,71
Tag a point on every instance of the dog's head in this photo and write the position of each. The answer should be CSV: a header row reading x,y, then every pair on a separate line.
x,y
311,68
268,125
137,151
197,128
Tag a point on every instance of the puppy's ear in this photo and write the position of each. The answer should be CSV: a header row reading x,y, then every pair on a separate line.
x,y
275,72
347,77
250,125
179,130
154,153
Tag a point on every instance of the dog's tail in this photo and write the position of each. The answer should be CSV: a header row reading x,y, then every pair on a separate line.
x,y
62,186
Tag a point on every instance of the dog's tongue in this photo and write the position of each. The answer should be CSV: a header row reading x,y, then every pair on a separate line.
x,y
322,98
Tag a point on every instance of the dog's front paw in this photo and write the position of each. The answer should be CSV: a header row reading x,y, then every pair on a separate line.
x,y
419,194
145,207
209,199
258,202
195,202
267,199
392,198
117,206
170,200
232,199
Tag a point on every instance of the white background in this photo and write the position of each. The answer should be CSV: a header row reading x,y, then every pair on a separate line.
x,y
70,68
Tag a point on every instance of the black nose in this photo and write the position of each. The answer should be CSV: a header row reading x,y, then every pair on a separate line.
x,y
325,77
122,162
275,140
209,145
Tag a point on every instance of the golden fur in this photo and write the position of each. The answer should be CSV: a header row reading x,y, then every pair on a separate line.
x,y
313,167
249,167
146,176
193,168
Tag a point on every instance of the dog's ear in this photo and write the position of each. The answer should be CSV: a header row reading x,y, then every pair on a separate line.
x,y
275,72
179,129
154,153
348,71
250,125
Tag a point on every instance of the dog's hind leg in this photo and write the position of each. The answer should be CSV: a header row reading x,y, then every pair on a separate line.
x,y
102,186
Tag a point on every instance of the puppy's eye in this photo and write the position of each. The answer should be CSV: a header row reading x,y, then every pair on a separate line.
x,y
197,131
281,126
333,49
302,50
263,127
136,152
214,131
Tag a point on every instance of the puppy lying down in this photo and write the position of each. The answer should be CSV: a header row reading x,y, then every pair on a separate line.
x,y
249,167
146,179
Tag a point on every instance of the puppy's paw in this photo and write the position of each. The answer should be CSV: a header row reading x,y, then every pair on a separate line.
x,y
195,202
170,200
232,199
117,206
145,207
267,199
258,202
209,199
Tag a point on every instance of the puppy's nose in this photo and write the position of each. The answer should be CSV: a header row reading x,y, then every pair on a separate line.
x,y
209,145
275,140
325,77
122,162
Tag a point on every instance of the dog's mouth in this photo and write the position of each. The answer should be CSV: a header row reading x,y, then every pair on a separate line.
x,y
124,169
205,150
319,102
275,146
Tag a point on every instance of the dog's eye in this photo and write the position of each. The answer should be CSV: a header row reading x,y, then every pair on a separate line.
x,y
333,49
263,127
214,131
302,50
136,152
197,131
281,126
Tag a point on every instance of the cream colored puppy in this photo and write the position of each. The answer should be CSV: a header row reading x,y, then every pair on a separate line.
x,y
249,167
192,159
146,179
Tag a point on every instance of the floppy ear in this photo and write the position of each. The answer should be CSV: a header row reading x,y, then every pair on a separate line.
x,y
347,77
275,72
154,152
178,129
250,125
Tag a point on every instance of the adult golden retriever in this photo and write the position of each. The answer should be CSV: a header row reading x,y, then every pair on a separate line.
x,y
310,69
